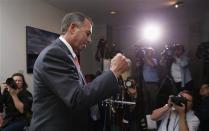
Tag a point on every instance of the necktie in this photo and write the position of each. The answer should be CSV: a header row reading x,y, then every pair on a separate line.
x,y
94,109
76,62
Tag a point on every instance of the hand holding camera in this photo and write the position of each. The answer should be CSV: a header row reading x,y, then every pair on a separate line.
x,y
180,109
178,102
11,86
11,83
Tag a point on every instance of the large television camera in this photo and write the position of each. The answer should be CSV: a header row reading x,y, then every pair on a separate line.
x,y
10,82
178,100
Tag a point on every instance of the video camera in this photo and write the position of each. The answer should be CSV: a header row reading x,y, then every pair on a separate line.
x,y
178,100
139,54
10,82
168,50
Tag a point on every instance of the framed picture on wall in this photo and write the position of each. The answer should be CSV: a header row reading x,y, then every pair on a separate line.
x,y
36,41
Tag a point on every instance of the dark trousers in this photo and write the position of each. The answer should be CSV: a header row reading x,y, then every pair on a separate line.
x,y
150,91
95,125
18,125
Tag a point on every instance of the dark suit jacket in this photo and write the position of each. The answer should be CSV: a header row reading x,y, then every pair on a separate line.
x,y
61,99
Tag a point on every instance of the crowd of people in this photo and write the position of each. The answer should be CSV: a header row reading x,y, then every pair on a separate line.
x,y
167,76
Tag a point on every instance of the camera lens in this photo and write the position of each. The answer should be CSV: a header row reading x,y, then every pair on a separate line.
x,y
10,82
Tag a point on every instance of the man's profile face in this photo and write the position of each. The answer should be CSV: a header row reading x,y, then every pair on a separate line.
x,y
82,36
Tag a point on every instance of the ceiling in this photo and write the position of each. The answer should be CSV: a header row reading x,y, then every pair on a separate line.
x,y
130,10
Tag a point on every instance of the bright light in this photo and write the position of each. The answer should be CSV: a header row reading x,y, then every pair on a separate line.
x,y
113,12
176,5
151,33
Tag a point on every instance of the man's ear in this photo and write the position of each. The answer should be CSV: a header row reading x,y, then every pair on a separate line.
x,y
72,28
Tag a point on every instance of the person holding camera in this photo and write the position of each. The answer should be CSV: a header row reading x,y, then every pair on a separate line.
x,y
151,80
180,69
16,101
177,115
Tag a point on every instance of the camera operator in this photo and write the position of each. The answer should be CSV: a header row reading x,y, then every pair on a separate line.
x,y
166,61
151,80
167,86
177,115
16,101
180,69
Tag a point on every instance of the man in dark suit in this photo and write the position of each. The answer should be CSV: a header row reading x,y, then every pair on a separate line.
x,y
62,99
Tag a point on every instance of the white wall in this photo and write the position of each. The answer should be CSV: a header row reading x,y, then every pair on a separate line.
x,y
14,16
0,42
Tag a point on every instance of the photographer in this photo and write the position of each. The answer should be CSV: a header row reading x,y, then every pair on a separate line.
x,y
180,69
167,86
16,102
166,60
151,80
177,115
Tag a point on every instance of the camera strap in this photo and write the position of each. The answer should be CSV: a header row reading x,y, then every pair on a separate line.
x,y
168,121
175,122
185,107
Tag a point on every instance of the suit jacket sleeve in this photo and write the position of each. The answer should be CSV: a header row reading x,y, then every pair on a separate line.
x,y
61,76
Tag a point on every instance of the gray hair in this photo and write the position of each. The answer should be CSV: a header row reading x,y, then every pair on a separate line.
x,y
74,17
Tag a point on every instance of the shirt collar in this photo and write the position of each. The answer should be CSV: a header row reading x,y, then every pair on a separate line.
x,y
68,46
